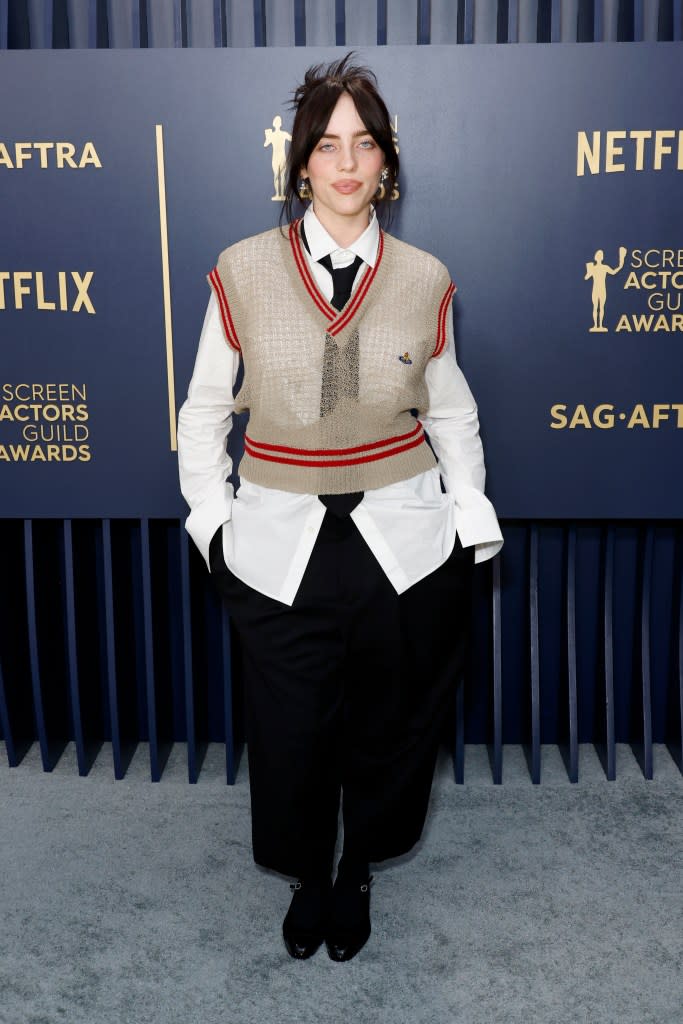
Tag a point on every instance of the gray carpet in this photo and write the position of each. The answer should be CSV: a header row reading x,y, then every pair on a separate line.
x,y
132,902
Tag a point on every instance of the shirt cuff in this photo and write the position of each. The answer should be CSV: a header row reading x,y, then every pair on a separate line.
x,y
479,527
205,518
482,552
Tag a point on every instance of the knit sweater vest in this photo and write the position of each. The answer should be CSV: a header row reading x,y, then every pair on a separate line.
x,y
310,432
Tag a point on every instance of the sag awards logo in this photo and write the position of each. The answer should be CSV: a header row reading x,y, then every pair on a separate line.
x,y
277,139
44,423
647,294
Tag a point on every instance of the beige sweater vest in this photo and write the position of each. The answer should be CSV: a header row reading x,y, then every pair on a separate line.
x,y
329,392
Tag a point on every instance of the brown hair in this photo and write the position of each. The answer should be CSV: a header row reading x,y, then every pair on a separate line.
x,y
314,102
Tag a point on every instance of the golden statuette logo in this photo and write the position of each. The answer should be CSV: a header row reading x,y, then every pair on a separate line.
x,y
277,138
598,271
395,193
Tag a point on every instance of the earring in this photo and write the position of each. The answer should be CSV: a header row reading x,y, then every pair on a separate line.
x,y
304,189
381,189
384,174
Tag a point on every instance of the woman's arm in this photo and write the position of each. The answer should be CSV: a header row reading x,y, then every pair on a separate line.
x,y
204,423
452,423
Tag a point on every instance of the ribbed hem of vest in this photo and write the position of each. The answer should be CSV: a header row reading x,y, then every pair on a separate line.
x,y
338,479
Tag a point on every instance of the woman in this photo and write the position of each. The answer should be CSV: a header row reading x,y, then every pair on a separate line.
x,y
345,566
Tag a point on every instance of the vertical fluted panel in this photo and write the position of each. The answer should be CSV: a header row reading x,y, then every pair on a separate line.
x,y
3,24
444,21
40,14
163,23
534,659
82,18
485,21
638,21
71,646
148,631
497,753
320,23
206,22
597,27
610,21
527,21
241,29
650,20
467,21
192,762
382,22
260,27
124,23
361,23
33,648
513,21
609,760
590,19
280,22
110,649
572,709
555,31
424,22
402,22
569,20
299,22
677,20
645,665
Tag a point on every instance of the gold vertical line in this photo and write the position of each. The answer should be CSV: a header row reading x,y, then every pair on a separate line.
x,y
166,277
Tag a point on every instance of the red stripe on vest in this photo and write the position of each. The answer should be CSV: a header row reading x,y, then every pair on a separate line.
x,y
302,266
441,333
361,291
228,325
333,451
333,462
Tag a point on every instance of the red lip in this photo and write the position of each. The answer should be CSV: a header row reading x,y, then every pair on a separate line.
x,y
347,187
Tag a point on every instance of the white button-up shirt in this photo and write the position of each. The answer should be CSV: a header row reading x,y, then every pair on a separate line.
x,y
268,535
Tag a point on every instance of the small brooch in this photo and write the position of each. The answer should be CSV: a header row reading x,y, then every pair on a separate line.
x,y
405,358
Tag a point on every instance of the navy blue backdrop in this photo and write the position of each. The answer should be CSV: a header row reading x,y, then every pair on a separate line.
x,y
516,198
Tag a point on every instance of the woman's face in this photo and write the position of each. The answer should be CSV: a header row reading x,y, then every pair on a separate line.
x,y
344,168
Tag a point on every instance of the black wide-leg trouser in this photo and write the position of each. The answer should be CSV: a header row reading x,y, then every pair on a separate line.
x,y
346,692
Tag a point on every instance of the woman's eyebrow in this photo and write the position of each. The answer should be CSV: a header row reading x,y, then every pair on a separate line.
x,y
328,135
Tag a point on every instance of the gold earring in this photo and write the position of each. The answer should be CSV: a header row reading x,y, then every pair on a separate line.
x,y
304,189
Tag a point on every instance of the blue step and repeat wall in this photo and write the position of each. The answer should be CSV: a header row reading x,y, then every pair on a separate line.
x,y
548,180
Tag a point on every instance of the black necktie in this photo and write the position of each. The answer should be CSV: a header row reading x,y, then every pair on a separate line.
x,y
338,504
342,279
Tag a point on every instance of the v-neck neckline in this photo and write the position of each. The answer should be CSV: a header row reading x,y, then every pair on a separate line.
x,y
335,320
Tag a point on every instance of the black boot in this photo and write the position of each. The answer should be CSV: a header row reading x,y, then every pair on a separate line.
x,y
303,928
348,926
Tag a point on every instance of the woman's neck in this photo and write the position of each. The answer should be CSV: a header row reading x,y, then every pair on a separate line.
x,y
344,230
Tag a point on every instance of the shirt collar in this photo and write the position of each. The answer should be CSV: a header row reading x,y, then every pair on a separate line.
x,y
322,244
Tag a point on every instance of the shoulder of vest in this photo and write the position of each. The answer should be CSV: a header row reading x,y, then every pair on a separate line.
x,y
252,247
418,261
